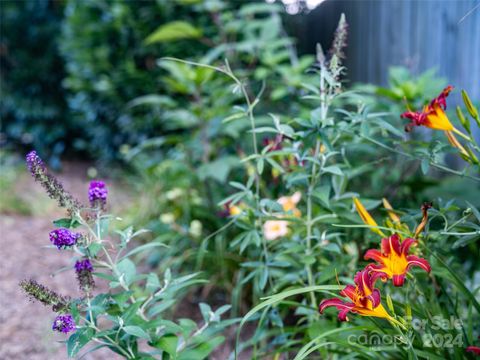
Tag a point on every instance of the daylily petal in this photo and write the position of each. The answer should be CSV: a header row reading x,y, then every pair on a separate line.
x,y
374,254
349,292
344,307
437,119
398,279
379,311
416,261
406,244
375,297
390,244
473,349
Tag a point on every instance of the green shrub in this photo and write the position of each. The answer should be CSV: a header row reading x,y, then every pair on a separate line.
x,y
33,108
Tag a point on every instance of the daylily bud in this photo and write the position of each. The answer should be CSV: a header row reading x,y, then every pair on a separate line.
x,y
464,121
390,304
468,103
455,143
391,212
366,217
421,226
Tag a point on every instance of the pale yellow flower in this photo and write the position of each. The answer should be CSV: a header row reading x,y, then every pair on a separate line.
x,y
273,229
289,203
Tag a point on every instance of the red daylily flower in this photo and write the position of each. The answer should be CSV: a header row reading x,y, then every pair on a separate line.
x,y
365,299
433,115
394,261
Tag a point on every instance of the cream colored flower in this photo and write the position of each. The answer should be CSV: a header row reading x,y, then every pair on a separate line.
x,y
289,203
273,229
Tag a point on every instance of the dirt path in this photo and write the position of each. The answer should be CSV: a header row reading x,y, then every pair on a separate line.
x,y
26,326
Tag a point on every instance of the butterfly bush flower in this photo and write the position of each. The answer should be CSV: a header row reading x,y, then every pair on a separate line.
x,y
63,238
97,193
64,323
44,295
364,298
54,188
393,260
84,269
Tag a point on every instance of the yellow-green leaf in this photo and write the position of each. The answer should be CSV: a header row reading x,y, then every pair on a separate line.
x,y
172,31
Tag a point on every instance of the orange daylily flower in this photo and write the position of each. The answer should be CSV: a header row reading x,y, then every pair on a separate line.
x,y
364,298
394,261
433,115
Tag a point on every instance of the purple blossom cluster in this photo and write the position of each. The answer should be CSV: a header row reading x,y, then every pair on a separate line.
x,y
84,269
34,162
97,193
83,265
63,238
64,323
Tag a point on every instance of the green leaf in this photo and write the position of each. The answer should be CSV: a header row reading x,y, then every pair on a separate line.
x,y
94,248
66,223
218,169
202,350
425,165
334,169
175,30
153,283
168,343
143,248
78,340
126,268
274,299
322,193
136,331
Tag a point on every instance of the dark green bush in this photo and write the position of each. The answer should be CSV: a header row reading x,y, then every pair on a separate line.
x,y
32,105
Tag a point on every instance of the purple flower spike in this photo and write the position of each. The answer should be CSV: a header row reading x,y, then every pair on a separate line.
x,y
63,238
83,265
97,193
84,269
50,183
64,323
34,162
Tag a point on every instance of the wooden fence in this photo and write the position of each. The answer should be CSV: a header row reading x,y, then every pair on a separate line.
x,y
421,34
